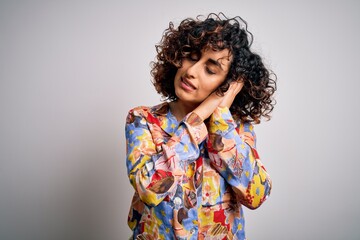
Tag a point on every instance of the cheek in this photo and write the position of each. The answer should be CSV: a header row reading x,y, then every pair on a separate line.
x,y
180,71
178,75
211,86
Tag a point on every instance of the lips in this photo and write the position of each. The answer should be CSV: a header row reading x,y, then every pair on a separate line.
x,y
187,84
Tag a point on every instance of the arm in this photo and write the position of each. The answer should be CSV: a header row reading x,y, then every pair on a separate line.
x,y
154,166
232,152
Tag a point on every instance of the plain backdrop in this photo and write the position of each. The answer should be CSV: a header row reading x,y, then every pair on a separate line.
x,y
71,70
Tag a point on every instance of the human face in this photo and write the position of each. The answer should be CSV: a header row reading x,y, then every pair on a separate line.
x,y
200,75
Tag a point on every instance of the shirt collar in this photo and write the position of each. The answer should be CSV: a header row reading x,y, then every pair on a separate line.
x,y
167,120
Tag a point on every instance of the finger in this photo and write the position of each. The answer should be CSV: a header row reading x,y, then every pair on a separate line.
x,y
235,87
238,87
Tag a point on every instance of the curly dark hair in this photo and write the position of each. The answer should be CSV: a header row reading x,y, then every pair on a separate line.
x,y
218,32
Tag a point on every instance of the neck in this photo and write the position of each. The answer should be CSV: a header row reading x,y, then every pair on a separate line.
x,y
180,109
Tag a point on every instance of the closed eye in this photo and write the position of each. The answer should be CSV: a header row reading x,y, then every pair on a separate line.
x,y
208,70
193,56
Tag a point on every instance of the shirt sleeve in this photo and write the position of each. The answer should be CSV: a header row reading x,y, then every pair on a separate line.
x,y
232,152
153,165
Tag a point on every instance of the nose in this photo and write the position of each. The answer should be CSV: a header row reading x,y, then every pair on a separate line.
x,y
192,69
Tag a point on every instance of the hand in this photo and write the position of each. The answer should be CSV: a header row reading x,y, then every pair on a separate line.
x,y
208,106
234,89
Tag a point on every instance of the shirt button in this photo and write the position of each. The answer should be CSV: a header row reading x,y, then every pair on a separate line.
x,y
177,201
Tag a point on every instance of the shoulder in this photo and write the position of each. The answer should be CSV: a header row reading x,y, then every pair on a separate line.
x,y
245,127
146,112
139,110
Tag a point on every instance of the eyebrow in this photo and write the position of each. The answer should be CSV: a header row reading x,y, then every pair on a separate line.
x,y
216,63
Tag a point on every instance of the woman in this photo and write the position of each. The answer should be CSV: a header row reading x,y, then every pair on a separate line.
x,y
192,160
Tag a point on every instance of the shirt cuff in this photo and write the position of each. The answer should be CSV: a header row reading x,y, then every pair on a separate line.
x,y
196,126
221,121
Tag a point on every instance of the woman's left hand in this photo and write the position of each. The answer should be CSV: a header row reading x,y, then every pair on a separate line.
x,y
234,89
208,106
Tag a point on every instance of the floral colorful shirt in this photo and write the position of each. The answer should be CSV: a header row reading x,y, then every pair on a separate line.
x,y
191,178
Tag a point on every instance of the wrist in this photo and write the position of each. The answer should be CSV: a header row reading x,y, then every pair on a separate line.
x,y
208,106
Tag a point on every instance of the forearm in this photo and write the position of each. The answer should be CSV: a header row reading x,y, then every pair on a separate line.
x,y
233,153
155,162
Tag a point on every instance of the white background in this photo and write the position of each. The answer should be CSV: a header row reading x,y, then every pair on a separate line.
x,y
70,71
